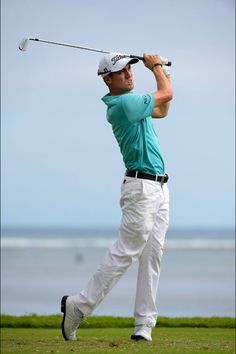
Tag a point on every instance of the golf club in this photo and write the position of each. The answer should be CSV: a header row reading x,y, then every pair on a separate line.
x,y
24,44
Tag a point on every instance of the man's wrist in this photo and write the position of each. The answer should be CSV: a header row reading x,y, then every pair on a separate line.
x,y
155,65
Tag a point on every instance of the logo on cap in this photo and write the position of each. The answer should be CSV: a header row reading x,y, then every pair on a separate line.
x,y
116,58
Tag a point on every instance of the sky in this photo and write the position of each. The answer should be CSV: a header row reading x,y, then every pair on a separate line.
x,y
60,163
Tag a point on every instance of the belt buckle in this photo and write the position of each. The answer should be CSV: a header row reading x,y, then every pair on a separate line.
x,y
162,179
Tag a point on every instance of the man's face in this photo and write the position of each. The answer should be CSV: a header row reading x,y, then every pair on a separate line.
x,y
121,81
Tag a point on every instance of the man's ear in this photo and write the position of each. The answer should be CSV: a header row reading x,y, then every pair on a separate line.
x,y
107,79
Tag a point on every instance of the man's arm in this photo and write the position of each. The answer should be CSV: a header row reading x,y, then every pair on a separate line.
x,y
164,94
161,111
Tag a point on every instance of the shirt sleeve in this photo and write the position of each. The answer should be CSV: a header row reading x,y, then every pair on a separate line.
x,y
137,107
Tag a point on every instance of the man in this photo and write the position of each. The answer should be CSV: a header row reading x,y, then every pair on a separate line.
x,y
144,196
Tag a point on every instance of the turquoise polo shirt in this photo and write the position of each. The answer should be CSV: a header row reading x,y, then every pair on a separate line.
x,y
130,117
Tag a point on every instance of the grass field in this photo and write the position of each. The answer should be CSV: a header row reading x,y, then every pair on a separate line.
x,y
42,334
116,340
54,321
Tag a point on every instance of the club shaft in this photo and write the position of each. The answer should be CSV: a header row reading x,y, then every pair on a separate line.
x,y
166,62
69,45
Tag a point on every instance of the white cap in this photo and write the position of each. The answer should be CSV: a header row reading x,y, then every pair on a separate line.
x,y
113,62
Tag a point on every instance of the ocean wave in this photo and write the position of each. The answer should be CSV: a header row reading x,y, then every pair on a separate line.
x,y
60,243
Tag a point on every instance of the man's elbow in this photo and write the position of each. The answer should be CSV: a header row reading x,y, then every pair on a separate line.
x,y
163,96
164,114
168,96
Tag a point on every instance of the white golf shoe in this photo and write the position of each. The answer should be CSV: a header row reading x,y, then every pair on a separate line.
x,y
71,319
142,332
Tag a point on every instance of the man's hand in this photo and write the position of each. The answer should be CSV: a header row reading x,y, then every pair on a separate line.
x,y
151,59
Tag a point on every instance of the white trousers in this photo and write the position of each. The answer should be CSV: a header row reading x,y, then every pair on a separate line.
x,y
145,218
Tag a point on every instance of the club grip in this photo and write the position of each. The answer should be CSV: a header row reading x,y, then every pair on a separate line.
x,y
136,56
164,61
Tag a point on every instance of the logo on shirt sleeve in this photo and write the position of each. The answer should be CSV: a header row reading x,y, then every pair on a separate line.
x,y
145,99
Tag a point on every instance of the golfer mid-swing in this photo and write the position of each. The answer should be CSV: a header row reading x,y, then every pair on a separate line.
x,y
144,196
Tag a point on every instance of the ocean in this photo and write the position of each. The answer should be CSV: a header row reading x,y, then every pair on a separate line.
x,y
39,266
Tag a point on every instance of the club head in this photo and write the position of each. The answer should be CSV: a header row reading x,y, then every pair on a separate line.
x,y
24,44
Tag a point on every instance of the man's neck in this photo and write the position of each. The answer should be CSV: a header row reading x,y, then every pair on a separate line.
x,y
119,92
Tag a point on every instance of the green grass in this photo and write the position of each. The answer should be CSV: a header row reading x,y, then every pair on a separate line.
x,y
42,334
54,321
117,341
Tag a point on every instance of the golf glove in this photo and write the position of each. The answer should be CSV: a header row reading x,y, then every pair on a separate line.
x,y
166,70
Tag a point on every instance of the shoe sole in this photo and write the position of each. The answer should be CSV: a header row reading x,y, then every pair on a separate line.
x,y
63,310
137,338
